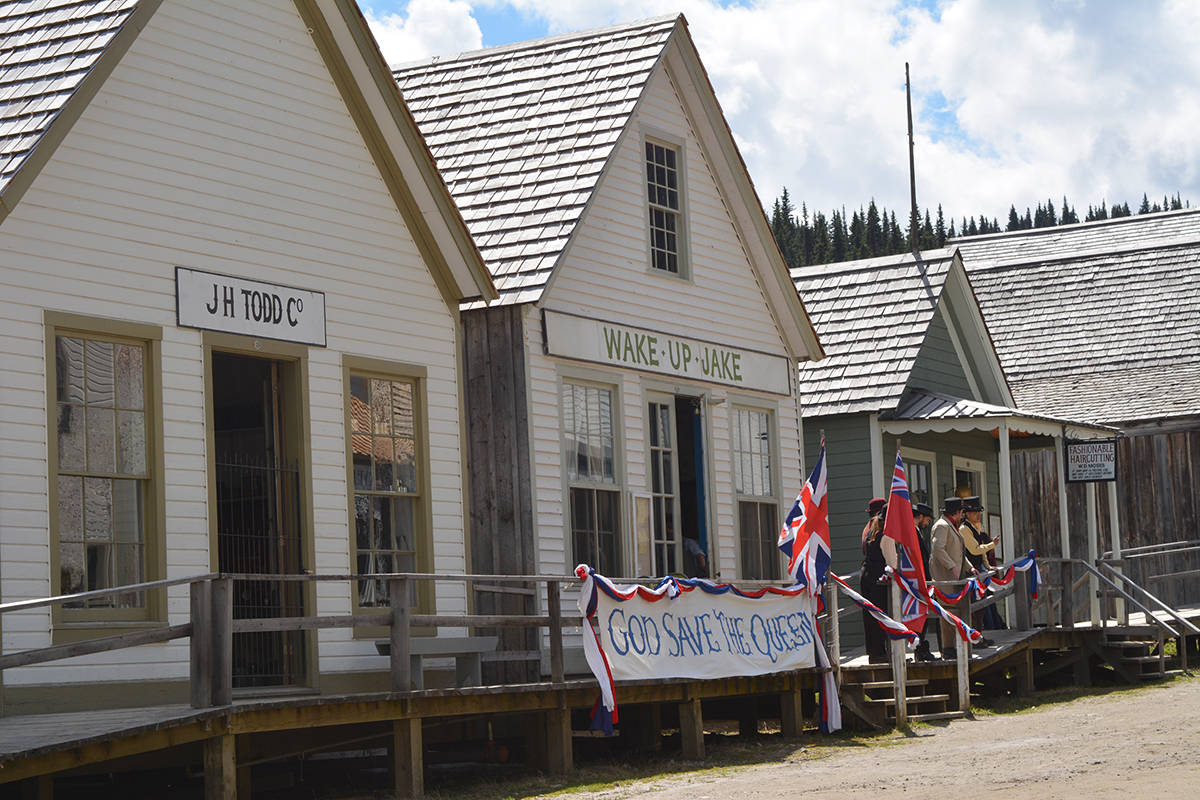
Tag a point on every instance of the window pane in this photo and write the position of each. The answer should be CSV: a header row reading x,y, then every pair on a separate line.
x,y
70,570
69,369
362,522
127,511
101,440
385,466
99,373
70,508
72,439
97,509
360,405
131,387
131,442
381,407
402,409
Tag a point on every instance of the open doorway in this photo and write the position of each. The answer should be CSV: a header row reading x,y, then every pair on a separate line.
x,y
258,491
679,518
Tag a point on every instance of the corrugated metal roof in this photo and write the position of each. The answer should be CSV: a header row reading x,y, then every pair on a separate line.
x,y
1096,321
872,317
922,404
47,48
521,134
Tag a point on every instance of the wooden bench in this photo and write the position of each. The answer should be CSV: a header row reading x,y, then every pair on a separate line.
x,y
467,652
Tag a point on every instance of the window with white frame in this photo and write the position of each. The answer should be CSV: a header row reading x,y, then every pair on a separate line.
x,y
663,195
758,508
589,450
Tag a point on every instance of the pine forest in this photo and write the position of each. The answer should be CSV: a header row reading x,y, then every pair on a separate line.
x,y
816,238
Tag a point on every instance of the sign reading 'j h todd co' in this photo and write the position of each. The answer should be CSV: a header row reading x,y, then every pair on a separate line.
x,y
1092,461
215,302
603,342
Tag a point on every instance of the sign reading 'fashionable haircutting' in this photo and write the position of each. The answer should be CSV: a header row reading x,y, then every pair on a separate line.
x,y
1092,461
215,302
603,342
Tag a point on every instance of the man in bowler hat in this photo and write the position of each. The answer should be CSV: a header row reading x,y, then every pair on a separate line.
x,y
948,562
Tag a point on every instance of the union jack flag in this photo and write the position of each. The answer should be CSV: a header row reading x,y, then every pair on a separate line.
x,y
804,538
899,526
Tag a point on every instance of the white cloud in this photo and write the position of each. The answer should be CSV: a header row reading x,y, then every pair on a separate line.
x,y
429,28
1016,102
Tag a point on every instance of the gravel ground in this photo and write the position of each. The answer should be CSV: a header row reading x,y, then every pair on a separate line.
x,y
1131,744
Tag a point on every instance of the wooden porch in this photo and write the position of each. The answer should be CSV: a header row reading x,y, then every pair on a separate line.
x,y
227,739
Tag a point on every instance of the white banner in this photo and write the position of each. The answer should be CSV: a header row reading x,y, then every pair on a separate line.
x,y
701,635
216,302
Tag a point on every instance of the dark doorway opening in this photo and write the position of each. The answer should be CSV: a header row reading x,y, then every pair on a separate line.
x,y
689,434
255,424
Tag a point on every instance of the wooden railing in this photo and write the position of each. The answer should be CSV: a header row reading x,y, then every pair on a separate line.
x,y
211,625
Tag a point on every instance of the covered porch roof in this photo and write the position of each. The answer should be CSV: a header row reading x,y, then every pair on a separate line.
x,y
924,411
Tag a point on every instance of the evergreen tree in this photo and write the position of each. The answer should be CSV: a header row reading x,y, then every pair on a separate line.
x,y
895,236
1051,219
1144,208
837,238
875,242
1069,216
1014,221
928,240
939,228
1027,221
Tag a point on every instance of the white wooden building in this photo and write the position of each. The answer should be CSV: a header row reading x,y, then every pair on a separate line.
x,y
230,311
634,385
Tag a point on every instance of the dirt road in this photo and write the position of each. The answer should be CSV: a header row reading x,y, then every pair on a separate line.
x,y
1132,744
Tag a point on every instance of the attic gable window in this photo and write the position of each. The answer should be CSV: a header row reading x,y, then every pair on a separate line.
x,y
662,192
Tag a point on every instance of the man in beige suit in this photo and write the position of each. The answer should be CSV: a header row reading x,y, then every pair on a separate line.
x,y
948,562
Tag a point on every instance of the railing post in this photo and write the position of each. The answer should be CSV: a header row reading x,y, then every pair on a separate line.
x,y
899,668
834,632
962,671
1024,608
1067,607
401,645
222,641
554,608
200,670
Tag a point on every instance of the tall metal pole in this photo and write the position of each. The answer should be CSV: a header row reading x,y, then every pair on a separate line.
x,y
914,225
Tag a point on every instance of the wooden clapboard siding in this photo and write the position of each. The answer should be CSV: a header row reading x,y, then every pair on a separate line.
x,y
1155,505
606,270
219,142
938,367
848,462
976,445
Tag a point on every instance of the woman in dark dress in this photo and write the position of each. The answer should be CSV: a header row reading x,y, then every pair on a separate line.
x,y
873,564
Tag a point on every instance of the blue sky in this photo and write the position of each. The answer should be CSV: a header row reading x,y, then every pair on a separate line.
x,y
1015,102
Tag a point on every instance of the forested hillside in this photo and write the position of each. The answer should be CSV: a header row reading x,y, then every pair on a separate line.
x,y
817,238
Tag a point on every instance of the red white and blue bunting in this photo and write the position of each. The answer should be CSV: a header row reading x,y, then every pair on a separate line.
x,y
693,628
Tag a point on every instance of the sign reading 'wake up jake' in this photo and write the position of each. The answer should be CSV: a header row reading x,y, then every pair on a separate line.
x,y
603,342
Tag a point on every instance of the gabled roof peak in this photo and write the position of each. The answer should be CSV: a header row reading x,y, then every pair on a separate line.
x,y
561,39
522,134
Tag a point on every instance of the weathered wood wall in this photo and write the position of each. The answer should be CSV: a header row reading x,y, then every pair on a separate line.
x,y
498,466
1158,492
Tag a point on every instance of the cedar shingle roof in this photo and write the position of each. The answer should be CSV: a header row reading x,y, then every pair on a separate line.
x,y
1096,321
47,48
521,134
872,317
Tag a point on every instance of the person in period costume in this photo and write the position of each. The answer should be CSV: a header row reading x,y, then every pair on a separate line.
x,y
922,517
695,560
948,562
875,558
873,508
980,547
